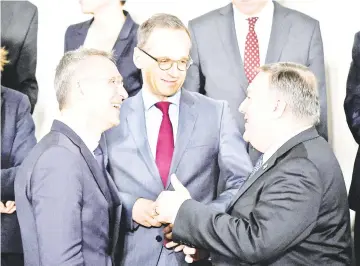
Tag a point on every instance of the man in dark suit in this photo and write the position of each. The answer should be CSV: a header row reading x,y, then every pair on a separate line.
x,y
352,107
293,208
17,139
19,27
68,210
229,43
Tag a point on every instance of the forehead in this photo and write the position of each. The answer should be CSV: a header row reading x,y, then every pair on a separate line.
x,y
170,43
97,66
259,84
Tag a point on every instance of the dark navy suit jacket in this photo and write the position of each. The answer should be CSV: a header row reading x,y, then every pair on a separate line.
x,y
17,139
123,50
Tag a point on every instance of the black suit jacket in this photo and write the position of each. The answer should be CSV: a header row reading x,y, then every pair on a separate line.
x,y
68,210
352,112
123,50
292,211
17,139
19,27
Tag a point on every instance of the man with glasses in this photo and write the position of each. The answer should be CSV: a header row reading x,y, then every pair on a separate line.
x,y
68,209
168,130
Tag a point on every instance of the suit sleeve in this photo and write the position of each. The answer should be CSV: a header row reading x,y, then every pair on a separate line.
x,y
56,196
234,162
294,195
24,141
352,99
316,65
26,66
193,76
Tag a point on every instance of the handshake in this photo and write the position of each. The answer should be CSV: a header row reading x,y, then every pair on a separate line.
x,y
164,210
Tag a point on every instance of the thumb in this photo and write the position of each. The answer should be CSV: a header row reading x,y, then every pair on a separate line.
x,y
177,185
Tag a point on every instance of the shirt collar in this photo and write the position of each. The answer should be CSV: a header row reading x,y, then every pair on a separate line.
x,y
273,148
150,100
267,11
90,141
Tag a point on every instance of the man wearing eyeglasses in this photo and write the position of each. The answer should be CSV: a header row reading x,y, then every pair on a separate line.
x,y
167,130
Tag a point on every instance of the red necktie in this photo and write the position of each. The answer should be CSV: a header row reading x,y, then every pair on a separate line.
x,y
165,143
252,55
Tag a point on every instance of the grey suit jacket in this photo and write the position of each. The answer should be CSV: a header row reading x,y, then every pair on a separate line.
x,y
67,209
208,148
218,69
17,140
19,28
292,211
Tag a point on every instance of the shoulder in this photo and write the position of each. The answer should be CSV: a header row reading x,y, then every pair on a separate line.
x,y
209,17
14,99
205,103
295,16
77,26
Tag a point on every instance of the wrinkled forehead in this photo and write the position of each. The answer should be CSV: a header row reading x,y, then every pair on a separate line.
x,y
97,66
260,84
171,43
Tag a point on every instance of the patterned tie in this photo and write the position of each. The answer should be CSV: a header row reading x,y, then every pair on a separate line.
x,y
257,166
165,143
252,55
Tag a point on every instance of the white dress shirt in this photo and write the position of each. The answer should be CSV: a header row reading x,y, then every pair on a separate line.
x,y
90,141
273,148
153,117
262,28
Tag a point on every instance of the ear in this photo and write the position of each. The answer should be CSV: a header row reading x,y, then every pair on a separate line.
x,y
138,58
279,107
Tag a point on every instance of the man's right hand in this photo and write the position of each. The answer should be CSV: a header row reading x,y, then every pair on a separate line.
x,y
143,213
8,208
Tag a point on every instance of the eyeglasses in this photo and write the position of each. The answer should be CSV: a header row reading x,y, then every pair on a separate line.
x,y
167,63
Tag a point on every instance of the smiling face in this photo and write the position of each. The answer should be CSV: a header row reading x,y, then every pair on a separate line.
x,y
102,91
163,44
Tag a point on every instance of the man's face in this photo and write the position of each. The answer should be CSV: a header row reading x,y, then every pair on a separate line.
x,y
165,45
90,6
250,7
258,108
102,91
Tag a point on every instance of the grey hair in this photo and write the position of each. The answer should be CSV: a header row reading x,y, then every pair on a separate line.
x,y
161,20
68,67
299,87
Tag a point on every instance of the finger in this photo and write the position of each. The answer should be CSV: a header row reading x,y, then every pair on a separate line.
x,y
179,248
168,236
168,229
10,204
2,206
153,222
13,209
189,259
189,251
171,244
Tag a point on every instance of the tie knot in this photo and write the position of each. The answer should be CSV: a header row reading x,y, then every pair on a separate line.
x,y
252,22
163,106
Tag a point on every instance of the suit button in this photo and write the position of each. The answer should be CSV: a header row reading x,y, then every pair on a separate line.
x,y
158,238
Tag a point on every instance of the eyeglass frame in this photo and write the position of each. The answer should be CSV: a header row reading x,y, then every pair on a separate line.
x,y
188,64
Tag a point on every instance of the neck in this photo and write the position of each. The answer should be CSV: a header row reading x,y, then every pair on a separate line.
x,y
112,14
250,8
81,123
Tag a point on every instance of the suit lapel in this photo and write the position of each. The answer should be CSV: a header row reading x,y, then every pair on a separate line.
x,y
187,120
137,125
79,36
122,40
226,29
279,33
88,156
305,135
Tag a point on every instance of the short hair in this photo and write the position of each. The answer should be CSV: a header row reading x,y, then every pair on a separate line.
x,y
3,58
299,87
122,2
161,20
68,67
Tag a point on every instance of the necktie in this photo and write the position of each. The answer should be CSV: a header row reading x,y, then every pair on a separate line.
x,y
165,143
257,166
252,55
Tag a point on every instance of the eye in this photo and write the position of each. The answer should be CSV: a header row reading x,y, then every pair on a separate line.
x,y
164,60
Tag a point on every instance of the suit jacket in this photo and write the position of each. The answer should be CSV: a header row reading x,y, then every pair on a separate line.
x,y
17,139
208,148
19,27
68,210
292,211
352,112
123,50
218,69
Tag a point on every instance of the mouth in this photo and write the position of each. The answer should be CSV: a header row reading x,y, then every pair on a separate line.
x,y
116,105
169,81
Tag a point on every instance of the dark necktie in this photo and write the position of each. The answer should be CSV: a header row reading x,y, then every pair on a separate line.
x,y
165,143
252,54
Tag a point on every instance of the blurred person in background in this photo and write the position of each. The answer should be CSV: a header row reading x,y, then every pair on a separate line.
x,y
110,29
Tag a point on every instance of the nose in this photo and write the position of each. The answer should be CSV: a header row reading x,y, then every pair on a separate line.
x,y
174,71
242,106
123,93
